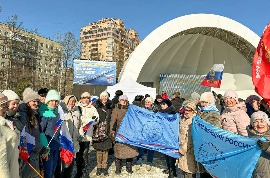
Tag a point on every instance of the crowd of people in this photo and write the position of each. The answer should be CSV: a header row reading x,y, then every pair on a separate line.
x,y
37,114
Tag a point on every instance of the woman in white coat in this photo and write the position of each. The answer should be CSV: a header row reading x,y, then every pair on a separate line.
x,y
9,140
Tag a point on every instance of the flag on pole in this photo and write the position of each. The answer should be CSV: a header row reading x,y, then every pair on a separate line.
x,y
261,66
214,76
87,126
67,148
57,125
27,143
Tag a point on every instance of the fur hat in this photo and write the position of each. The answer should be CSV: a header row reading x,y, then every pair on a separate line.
x,y
150,99
167,101
30,95
11,95
194,96
3,99
208,97
123,97
43,91
67,98
259,115
119,93
232,94
85,95
104,93
52,95
138,98
251,98
191,105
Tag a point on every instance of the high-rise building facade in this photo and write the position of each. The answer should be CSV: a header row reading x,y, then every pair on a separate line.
x,y
30,58
108,40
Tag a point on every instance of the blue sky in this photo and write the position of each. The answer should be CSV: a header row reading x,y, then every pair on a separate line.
x,y
52,16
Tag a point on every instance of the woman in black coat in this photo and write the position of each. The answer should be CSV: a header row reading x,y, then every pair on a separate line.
x,y
104,109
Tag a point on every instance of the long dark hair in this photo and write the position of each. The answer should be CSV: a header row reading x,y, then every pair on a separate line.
x,y
32,116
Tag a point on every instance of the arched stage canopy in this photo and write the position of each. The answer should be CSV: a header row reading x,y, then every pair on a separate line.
x,y
191,45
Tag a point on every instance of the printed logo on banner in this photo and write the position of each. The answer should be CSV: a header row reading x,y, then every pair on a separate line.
x,y
152,131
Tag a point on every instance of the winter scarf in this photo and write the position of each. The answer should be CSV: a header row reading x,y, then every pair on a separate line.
x,y
209,108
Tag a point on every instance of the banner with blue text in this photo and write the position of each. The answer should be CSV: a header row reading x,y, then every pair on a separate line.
x,y
223,153
154,131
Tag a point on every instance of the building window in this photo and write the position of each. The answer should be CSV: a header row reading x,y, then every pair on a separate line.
x,y
41,44
6,33
2,64
41,51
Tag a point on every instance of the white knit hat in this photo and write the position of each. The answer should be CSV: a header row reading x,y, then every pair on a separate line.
x,y
11,95
259,115
208,97
52,95
30,95
104,93
150,99
231,93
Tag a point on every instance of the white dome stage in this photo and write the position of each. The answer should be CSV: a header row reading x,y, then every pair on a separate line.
x,y
191,45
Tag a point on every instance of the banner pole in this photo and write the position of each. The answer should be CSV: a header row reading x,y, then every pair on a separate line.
x,y
34,170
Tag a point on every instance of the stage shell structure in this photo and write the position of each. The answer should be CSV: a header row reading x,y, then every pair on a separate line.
x,y
191,45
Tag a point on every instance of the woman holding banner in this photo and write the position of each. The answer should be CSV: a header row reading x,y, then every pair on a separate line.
x,y
121,151
258,128
187,161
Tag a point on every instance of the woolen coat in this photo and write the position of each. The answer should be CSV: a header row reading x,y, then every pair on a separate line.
x,y
121,151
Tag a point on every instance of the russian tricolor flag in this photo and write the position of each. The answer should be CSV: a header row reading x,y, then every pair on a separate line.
x,y
67,148
57,125
87,126
27,143
214,77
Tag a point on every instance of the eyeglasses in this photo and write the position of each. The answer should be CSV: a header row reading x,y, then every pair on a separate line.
x,y
188,110
204,102
85,97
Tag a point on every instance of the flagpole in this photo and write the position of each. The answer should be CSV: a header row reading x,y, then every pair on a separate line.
x,y
34,170
54,134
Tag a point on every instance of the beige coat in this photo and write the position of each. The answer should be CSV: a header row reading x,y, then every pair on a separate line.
x,y
9,153
87,113
187,161
121,151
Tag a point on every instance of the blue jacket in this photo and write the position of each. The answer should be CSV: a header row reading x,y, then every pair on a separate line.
x,y
48,121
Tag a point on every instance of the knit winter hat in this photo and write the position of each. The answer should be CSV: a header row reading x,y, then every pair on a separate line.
x,y
177,94
119,93
167,101
52,95
159,97
150,99
30,95
251,98
191,105
43,91
3,99
123,97
11,95
232,94
208,97
85,95
259,115
194,96
104,93
138,98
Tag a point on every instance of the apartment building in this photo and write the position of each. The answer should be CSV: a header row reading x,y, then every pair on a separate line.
x,y
108,40
29,58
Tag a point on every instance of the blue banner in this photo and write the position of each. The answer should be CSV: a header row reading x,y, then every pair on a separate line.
x,y
88,72
223,153
154,131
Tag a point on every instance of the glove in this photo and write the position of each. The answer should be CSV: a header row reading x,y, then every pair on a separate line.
x,y
112,135
95,118
80,138
263,145
45,150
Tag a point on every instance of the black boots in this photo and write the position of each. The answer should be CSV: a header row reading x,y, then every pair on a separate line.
x,y
105,172
129,167
99,171
118,166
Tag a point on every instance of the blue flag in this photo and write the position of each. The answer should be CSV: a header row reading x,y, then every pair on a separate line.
x,y
223,153
154,131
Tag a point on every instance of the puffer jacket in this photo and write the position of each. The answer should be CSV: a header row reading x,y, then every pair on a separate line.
x,y
262,169
177,102
72,120
211,117
49,119
235,120
9,141
87,115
